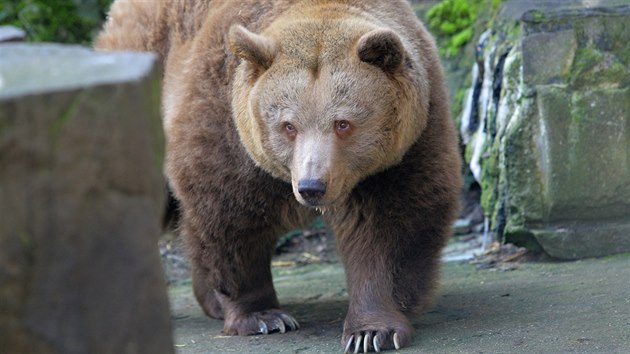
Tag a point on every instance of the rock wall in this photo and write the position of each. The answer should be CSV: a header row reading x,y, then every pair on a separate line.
x,y
547,127
81,200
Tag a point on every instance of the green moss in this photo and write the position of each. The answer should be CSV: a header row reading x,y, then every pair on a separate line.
x,y
458,101
619,37
489,180
536,16
468,152
488,194
591,67
577,113
585,59
617,73
624,52
512,31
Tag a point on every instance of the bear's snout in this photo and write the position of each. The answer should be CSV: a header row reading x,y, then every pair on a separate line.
x,y
312,190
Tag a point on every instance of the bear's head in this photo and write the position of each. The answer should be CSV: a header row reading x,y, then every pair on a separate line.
x,y
323,103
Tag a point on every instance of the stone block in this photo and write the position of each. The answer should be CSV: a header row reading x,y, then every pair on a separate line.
x,y
522,178
586,153
81,148
556,172
574,240
547,57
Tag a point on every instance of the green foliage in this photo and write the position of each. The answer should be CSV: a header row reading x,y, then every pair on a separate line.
x,y
65,21
453,20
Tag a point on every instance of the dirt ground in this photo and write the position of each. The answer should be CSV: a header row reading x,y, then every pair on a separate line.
x,y
496,299
525,307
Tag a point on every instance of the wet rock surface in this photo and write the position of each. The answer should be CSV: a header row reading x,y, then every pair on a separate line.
x,y
82,195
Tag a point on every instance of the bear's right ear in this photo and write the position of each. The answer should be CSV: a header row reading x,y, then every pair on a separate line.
x,y
256,49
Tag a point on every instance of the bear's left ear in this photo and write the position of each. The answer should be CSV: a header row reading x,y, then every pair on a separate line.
x,y
258,50
382,48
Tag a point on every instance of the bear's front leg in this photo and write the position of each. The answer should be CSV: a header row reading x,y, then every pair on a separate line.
x,y
230,231
390,243
375,320
248,306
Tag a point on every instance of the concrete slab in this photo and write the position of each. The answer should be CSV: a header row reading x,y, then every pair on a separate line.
x,y
561,307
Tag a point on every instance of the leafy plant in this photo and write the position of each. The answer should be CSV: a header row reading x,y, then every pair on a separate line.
x,y
66,21
454,21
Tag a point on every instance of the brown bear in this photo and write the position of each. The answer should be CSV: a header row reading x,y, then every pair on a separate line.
x,y
275,110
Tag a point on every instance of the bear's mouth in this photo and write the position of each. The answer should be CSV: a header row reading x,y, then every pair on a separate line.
x,y
321,207
312,202
321,204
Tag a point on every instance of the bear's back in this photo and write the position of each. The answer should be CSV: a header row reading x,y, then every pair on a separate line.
x,y
162,25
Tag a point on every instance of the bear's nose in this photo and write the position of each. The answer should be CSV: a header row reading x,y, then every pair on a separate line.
x,y
312,190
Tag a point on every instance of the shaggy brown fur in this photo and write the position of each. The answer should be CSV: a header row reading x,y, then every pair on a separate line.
x,y
340,103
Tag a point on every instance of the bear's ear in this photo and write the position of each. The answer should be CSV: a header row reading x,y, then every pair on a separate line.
x,y
381,48
256,49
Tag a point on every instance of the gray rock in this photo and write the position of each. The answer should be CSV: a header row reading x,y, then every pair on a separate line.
x,y
513,10
81,148
585,160
28,70
11,34
461,226
547,57
553,159
573,240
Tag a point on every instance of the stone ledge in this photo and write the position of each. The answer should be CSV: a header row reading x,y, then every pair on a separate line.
x,y
32,69
11,34
584,240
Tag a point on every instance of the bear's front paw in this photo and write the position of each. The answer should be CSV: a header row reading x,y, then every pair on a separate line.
x,y
376,337
263,322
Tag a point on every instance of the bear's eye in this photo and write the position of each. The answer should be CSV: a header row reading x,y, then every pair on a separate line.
x,y
343,127
290,130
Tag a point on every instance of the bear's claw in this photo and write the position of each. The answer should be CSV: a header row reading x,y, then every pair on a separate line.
x,y
281,324
369,341
262,327
290,321
262,322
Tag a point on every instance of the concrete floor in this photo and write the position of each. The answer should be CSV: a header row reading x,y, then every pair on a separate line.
x,y
558,307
